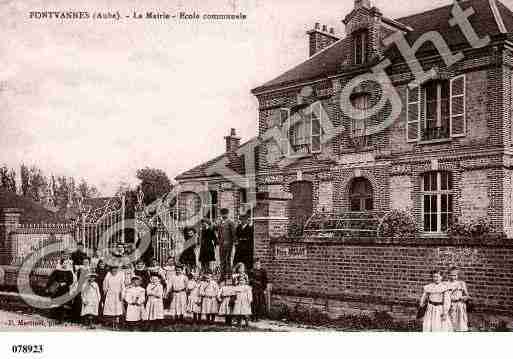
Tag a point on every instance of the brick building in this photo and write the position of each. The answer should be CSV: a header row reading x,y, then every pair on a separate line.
x,y
445,156
206,188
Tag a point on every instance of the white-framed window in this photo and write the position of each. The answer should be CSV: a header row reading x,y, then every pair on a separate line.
x,y
360,47
361,103
305,129
436,110
284,122
437,201
413,114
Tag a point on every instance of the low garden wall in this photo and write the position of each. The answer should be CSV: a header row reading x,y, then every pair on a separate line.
x,y
349,275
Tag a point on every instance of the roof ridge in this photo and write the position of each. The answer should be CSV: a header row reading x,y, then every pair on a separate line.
x,y
422,13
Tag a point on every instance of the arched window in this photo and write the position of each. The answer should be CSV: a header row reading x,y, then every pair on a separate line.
x,y
361,195
437,201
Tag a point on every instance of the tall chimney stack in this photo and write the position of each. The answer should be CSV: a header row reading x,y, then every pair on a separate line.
x,y
320,39
362,3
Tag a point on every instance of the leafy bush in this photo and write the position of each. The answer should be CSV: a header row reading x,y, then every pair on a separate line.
x,y
475,228
398,224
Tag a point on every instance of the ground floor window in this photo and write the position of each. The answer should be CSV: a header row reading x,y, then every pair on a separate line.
x,y
361,195
437,201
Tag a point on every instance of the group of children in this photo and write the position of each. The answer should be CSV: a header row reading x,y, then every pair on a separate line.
x,y
141,300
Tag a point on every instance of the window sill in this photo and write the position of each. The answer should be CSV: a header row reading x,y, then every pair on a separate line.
x,y
433,235
430,142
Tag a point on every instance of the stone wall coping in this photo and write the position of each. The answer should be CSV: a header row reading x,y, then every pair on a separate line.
x,y
402,242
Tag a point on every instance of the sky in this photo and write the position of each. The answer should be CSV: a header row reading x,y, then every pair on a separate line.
x,y
98,99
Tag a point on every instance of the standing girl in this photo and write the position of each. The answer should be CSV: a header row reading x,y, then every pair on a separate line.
x,y
155,305
209,292
135,296
244,297
193,297
177,287
114,288
459,296
227,299
90,300
437,300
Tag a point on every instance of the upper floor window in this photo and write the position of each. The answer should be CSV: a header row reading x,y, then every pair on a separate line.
x,y
360,47
302,129
437,201
361,103
436,110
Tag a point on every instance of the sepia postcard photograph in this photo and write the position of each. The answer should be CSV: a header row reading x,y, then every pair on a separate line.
x,y
255,166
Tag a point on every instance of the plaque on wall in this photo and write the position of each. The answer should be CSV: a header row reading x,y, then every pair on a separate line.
x,y
290,252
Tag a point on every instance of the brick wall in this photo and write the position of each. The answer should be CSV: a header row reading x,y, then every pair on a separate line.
x,y
391,273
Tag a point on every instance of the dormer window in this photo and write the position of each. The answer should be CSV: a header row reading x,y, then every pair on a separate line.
x,y
360,47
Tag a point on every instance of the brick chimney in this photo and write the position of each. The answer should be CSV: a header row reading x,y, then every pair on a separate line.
x,y
362,3
232,145
320,39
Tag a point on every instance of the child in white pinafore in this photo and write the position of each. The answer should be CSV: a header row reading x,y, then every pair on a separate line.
x,y
459,296
135,296
177,287
243,297
227,299
209,292
437,301
155,304
193,297
90,300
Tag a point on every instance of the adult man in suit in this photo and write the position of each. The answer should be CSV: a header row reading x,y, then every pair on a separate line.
x,y
244,244
226,234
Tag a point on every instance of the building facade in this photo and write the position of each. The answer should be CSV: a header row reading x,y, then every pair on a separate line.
x,y
442,152
361,128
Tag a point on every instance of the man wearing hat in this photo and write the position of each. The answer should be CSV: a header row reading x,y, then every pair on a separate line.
x,y
226,234
244,244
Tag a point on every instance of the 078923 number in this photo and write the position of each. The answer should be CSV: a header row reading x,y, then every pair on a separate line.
x,y
27,349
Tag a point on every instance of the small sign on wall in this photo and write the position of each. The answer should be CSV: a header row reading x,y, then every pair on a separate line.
x,y
290,252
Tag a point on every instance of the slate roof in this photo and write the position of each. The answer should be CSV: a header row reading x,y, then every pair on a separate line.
x,y
202,169
329,61
33,212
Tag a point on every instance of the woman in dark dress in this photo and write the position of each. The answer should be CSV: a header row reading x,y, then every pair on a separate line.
x,y
83,273
59,284
188,257
101,272
208,242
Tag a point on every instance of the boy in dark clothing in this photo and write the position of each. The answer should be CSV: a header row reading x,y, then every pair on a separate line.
x,y
258,280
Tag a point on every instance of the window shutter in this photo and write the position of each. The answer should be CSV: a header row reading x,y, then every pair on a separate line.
x,y
315,129
457,110
285,131
413,114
